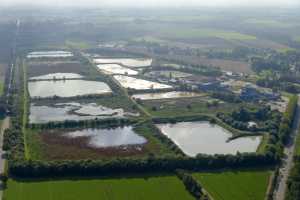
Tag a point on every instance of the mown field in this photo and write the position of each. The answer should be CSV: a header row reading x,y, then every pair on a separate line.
x,y
148,188
235,185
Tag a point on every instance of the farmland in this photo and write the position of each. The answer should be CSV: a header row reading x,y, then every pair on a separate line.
x,y
205,33
127,188
113,95
230,185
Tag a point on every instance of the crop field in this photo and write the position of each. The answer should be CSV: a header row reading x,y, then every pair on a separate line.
x,y
229,185
146,188
184,107
206,33
223,64
228,65
51,145
269,23
264,43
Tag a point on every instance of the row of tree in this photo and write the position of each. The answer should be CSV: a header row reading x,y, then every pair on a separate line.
x,y
268,119
191,185
29,169
286,124
293,185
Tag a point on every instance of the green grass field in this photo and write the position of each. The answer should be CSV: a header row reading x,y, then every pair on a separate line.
x,y
297,39
269,23
297,147
1,88
237,185
185,107
164,188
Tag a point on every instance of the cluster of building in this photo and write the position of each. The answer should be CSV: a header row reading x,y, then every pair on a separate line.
x,y
228,83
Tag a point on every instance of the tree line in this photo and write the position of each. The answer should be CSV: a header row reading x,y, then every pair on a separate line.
x,y
191,185
23,168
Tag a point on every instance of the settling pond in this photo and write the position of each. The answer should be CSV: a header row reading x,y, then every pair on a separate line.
x,y
202,137
139,84
68,88
116,69
57,76
102,138
49,54
129,62
166,95
73,111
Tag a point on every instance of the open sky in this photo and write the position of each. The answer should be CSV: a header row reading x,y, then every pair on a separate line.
x,y
147,3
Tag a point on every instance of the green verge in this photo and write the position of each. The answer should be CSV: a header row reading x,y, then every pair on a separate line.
x,y
25,110
297,147
1,88
184,107
229,185
130,188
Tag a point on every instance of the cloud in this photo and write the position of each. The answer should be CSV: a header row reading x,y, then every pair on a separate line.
x,y
143,3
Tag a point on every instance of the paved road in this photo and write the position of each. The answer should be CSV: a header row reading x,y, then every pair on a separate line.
x,y
287,162
4,126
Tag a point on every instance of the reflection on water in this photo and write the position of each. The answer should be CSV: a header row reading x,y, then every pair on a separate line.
x,y
73,111
165,95
202,137
68,88
116,69
100,138
57,76
49,54
129,62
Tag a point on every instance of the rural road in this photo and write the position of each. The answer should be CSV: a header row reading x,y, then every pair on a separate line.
x,y
4,126
287,160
